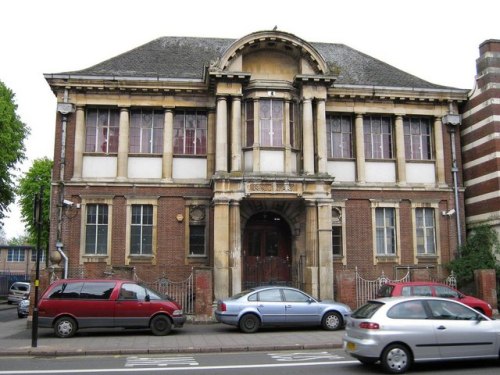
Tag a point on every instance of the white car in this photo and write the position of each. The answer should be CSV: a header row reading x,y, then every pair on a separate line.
x,y
399,331
18,291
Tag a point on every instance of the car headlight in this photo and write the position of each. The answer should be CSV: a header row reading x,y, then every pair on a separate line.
x,y
177,312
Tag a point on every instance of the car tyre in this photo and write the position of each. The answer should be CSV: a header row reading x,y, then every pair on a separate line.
x,y
160,325
332,321
396,359
249,323
65,327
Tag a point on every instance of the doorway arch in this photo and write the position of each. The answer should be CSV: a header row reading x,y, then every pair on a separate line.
x,y
267,251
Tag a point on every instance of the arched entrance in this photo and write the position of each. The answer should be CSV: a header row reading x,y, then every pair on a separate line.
x,y
267,251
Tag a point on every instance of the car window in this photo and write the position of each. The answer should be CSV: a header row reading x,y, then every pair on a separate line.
x,y
270,295
97,290
295,296
132,292
154,295
20,287
408,310
366,311
450,310
385,291
421,290
66,291
445,292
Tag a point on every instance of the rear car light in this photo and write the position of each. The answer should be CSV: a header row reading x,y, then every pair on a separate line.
x,y
369,325
222,306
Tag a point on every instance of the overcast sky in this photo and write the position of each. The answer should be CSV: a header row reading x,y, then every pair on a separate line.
x,y
436,40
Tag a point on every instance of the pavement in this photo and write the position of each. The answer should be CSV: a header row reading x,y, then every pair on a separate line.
x,y
16,339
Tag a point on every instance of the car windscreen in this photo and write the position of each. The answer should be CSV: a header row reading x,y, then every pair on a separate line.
x,y
366,311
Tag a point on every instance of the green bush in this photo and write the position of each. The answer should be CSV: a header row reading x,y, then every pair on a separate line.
x,y
477,253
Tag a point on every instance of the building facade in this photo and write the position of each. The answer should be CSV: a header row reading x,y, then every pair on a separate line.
x,y
267,159
481,141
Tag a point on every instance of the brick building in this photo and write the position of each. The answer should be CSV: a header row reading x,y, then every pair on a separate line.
x,y
481,141
267,159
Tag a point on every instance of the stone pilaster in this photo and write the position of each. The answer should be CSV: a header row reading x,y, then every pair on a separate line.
x,y
168,145
221,135
360,149
400,151
122,172
236,134
325,255
321,136
79,143
308,135
311,271
221,248
235,248
439,147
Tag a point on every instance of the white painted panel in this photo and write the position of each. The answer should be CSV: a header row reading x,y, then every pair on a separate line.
x,y
420,173
272,161
190,168
380,171
343,171
248,161
99,167
144,167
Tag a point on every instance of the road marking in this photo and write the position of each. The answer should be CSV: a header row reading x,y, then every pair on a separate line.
x,y
155,369
161,362
301,356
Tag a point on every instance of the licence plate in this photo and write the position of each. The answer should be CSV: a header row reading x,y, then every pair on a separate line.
x,y
351,346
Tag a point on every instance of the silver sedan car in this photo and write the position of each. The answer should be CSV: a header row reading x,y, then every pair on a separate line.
x,y
279,306
399,331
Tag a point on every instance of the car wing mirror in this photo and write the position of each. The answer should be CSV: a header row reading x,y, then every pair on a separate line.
x,y
147,298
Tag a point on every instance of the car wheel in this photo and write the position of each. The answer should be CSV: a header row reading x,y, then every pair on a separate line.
x,y
332,321
65,327
160,325
249,323
396,359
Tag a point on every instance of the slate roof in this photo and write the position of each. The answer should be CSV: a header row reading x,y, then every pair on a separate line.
x,y
187,57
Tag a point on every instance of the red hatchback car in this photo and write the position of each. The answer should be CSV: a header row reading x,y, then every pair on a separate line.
x,y
71,304
428,288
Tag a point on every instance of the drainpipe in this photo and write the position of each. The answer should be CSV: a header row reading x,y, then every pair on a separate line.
x,y
64,108
453,120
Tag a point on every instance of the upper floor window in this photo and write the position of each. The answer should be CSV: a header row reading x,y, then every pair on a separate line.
x,y
141,229
292,124
426,231
385,227
16,255
102,130
33,255
96,229
190,133
249,118
339,136
378,137
418,140
271,122
146,131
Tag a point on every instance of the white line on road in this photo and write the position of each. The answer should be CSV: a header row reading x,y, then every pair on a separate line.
x,y
152,369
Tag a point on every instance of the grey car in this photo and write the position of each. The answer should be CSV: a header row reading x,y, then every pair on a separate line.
x,y
399,331
279,306
23,308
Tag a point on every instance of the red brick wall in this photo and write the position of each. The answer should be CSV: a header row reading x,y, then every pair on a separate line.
x,y
486,286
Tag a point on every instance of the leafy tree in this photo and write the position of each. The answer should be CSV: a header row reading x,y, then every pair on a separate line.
x,y
477,253
3,237
13,133
38,176
20,240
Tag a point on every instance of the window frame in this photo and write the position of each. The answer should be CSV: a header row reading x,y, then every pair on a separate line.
x,y
373,138
151,131
197,212
386,257
414,143
98,227
334,137
180,133
104,139
424,229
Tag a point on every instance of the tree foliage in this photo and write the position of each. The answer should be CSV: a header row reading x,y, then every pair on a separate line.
x,y
477,253
13,133
39,175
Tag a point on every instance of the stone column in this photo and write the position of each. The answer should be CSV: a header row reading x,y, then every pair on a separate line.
x,y
311,271
79,143
236,134
308,136
321,136
221,248
211,143
360,149
288,140
168,145
325,249
235,248
221,135
123,144
400,151
439,147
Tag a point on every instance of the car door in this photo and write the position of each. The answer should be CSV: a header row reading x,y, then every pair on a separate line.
x,y
271,307
459,332
132,309
300,309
